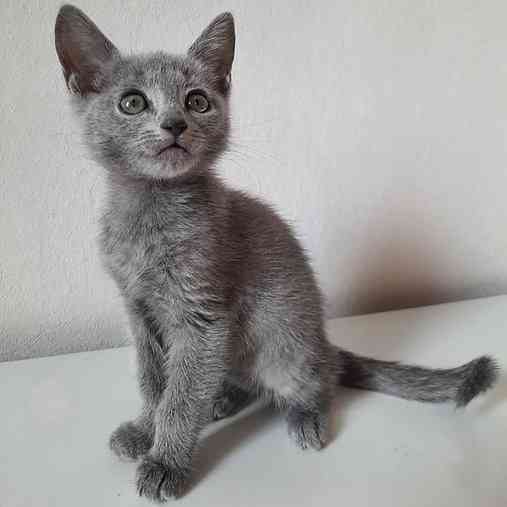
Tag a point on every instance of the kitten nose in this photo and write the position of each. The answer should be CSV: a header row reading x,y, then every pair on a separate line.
x,y
174,125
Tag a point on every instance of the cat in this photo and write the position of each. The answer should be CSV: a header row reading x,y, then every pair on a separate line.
x,y
222,302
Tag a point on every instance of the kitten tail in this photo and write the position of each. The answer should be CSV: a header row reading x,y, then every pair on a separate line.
x,y
459,385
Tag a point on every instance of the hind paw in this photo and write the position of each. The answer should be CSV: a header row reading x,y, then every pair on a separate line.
x,y
307,429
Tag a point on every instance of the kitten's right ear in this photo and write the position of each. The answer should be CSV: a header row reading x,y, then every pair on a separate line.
x,y
85,53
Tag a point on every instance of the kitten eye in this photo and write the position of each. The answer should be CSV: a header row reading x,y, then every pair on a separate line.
x,y
197,101
133,103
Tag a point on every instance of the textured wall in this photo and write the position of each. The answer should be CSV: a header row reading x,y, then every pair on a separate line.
x,y
377,127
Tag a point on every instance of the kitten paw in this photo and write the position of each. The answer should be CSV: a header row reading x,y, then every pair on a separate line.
x,y
307,429
160,482
129,441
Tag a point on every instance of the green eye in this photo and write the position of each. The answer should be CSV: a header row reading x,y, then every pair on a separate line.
x,y
133,103
197,101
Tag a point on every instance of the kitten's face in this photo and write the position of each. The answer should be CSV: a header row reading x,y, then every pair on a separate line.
x,y
161,117
157,116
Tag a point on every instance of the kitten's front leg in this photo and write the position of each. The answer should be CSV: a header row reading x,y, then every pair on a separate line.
x,y
133,439
195,373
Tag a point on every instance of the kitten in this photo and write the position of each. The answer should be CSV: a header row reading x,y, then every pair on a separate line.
x,y
222,302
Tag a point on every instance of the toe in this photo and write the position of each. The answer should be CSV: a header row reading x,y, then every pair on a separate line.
x,y
150,475
129,442
307,430
160,482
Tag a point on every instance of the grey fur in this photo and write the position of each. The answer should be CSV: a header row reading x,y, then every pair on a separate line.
x,y
221,298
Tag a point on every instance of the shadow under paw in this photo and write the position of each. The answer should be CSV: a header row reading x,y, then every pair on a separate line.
x,y
231,401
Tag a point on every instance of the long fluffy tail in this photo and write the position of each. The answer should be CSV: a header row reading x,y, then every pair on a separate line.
x,y
459,385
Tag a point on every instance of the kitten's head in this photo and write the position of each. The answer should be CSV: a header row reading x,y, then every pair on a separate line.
x,y
157,115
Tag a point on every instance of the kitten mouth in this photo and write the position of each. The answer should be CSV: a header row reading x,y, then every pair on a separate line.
x,y
172,148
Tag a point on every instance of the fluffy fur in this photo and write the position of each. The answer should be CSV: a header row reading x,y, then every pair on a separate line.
x,y
222,302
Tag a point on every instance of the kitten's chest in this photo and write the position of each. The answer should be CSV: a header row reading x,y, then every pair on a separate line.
x,y
144,254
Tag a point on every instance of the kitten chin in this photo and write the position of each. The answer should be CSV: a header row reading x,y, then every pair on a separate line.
x,y
170,162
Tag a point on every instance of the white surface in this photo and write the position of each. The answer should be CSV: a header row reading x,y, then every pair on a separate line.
x,y
57,414
377,127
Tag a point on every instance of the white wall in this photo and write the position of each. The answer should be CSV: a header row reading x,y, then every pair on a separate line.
x,y
377,127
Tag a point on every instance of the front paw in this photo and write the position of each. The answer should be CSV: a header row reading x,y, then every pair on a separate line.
x,y
160,482
129,441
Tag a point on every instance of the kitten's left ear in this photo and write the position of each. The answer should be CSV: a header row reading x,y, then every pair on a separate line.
x,y
215,48
84,51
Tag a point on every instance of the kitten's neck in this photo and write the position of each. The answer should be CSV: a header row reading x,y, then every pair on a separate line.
x,y
135,196
123,182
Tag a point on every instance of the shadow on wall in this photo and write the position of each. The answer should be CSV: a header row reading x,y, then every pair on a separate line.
x,y
405,262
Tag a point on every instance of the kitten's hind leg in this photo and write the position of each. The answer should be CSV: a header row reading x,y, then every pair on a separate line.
x,y
231,400
306,394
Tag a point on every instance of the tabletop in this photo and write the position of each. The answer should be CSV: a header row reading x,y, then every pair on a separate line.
x,y
57,413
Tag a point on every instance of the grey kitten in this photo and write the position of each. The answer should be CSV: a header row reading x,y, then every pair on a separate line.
x,y
222,302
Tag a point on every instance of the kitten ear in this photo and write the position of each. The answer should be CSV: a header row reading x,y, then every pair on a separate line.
x,y
215,48
85,53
